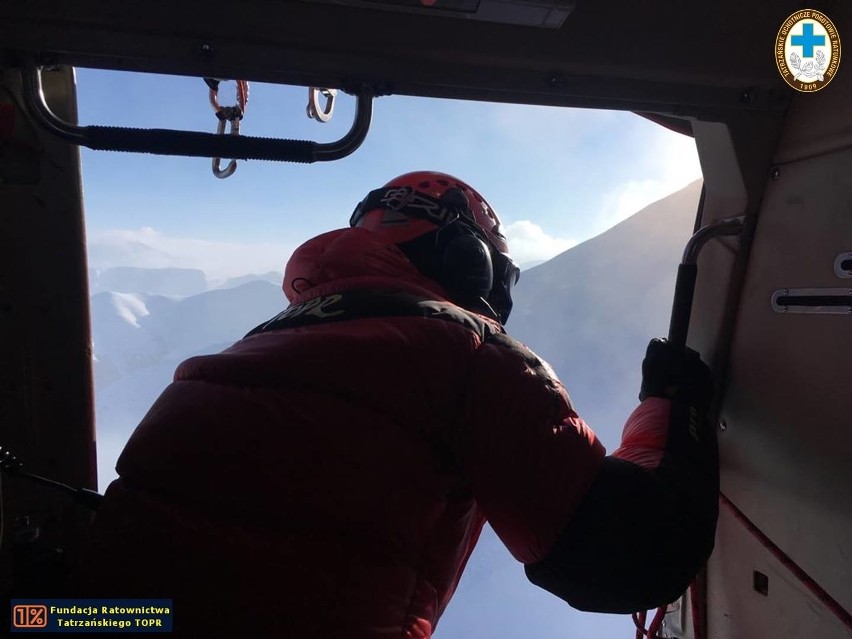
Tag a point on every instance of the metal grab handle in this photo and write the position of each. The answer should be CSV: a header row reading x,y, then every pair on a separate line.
x,y
687,273
192,143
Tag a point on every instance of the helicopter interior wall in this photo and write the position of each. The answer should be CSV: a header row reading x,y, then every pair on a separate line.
x,y
787,446
46,402
817,123
788,441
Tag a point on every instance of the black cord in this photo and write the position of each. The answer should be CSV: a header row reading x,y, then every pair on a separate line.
x,y
10,464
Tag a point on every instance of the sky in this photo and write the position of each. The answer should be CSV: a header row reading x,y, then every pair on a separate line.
x,y
556,176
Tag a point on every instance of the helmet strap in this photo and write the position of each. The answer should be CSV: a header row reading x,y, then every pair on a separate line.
x,y
409,202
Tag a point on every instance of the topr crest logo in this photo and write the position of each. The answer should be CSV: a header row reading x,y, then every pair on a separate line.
x,y
807,50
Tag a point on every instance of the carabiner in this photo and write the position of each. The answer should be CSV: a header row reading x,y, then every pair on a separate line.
x,y
313,109
213,96
232,114
228,171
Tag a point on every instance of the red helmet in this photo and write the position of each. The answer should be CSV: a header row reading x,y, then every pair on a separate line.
x,y
420,194
449,232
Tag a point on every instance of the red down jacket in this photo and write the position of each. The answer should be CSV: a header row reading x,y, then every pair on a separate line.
x,y
332,480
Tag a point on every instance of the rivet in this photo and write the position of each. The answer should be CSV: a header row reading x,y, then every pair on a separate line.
x,y
555,80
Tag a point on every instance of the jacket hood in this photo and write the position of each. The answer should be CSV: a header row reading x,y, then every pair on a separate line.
x,y
351,258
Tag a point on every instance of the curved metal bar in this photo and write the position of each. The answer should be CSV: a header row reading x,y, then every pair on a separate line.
x,y
729,226
192,143
356,134
687,273
36,103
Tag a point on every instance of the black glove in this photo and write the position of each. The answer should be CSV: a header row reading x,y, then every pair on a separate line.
x,y
677,374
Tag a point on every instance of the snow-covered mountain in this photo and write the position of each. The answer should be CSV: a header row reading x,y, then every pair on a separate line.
x,y
168,282
590,312
148,281
273,277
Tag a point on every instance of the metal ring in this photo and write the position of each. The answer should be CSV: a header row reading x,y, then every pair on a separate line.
x,y
313,109
242,96
841,265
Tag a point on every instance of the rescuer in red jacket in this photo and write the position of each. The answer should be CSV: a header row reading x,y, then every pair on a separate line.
x,y
329,474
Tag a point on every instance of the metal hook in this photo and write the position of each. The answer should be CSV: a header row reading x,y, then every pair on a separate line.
x,y
313,109
232,114
228,171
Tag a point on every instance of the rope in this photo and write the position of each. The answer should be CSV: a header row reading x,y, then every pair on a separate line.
x,y
242,94
640,619
697,616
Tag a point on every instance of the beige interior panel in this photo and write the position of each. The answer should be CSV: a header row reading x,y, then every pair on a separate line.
x,y
738,611
786,451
